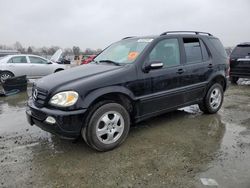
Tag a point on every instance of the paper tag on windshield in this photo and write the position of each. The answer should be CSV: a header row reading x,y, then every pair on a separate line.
x,y
145,40
132,56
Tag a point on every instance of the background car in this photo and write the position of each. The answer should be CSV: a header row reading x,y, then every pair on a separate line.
x,y
30,65
240,62
88,59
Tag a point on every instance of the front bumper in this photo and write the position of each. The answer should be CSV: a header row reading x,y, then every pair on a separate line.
x,y
68,123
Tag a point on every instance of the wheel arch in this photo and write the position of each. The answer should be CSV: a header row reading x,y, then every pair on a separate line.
x,y
117,94
58,69
2,71
218,78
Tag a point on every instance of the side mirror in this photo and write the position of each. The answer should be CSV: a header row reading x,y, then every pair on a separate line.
x,y
49,62
153,65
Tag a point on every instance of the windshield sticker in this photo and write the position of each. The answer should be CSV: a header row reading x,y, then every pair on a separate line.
x,y
132,56
145,40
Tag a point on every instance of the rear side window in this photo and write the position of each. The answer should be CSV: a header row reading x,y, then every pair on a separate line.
x,y
219,47
193,50
205,53
241,51
19,59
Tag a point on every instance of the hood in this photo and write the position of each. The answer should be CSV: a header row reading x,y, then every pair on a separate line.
x,y
56,56
73,74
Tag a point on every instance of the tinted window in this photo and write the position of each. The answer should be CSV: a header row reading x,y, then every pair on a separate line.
x,y
241,51
18,59
37,60
205,53
218,46
193,50
166,51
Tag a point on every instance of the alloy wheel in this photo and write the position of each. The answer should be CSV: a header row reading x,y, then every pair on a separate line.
x,y
110,127
215,98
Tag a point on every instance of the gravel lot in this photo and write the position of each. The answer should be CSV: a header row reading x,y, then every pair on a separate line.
x,y
172,150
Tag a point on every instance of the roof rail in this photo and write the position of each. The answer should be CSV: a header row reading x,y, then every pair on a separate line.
x,y
195,32
128,37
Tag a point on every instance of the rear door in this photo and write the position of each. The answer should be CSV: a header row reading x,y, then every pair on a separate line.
x,y
19,66
198,68
39,66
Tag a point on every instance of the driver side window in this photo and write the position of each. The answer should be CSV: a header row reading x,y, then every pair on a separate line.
x,y
37,60
167,52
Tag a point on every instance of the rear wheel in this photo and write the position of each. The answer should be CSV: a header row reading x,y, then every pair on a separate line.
x,y
213,99
107,126
5,75
234,80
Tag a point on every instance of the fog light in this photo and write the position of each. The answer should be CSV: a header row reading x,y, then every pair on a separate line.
x,y
50,120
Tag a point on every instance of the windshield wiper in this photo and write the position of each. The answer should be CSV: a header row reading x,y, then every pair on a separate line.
x,y
109,61
94,61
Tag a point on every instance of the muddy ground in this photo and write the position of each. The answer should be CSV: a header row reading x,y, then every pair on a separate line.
x,y
172,150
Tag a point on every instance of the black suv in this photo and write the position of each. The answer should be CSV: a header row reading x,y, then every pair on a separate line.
x,y
131,80
240,62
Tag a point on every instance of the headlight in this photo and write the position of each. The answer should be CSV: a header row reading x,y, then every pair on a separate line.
x,y
64,99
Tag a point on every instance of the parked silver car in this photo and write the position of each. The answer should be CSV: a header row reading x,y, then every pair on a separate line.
x,y
30,65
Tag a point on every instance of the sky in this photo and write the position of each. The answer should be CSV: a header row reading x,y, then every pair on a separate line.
x,y
97,23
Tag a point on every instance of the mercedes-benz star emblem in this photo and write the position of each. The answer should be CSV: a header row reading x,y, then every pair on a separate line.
x,y
35,94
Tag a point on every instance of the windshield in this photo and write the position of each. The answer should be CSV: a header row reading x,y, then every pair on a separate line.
x,y
124,51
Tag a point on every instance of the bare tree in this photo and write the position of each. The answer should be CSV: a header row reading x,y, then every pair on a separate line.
x,y
29,50
18,46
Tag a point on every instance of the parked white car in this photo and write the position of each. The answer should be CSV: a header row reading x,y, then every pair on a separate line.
x,y
30,65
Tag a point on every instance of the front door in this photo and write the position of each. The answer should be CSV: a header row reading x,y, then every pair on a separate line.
x,y
166,83
39,67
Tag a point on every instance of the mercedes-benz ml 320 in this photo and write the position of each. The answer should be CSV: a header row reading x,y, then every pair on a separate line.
x,y
133,79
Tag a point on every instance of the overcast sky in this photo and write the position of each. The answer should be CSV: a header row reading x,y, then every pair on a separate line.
x,y
97,23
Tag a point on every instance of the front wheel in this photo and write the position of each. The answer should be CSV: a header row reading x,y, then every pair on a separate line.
x,y
107,126
213,99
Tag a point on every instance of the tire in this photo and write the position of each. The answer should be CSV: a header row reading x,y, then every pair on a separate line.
x,y
213,100
234,80
107,126
5,75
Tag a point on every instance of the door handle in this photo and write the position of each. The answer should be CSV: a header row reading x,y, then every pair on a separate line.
x,y
180,71
210,66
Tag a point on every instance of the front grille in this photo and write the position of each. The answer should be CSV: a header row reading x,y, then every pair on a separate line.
x,y
39,96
